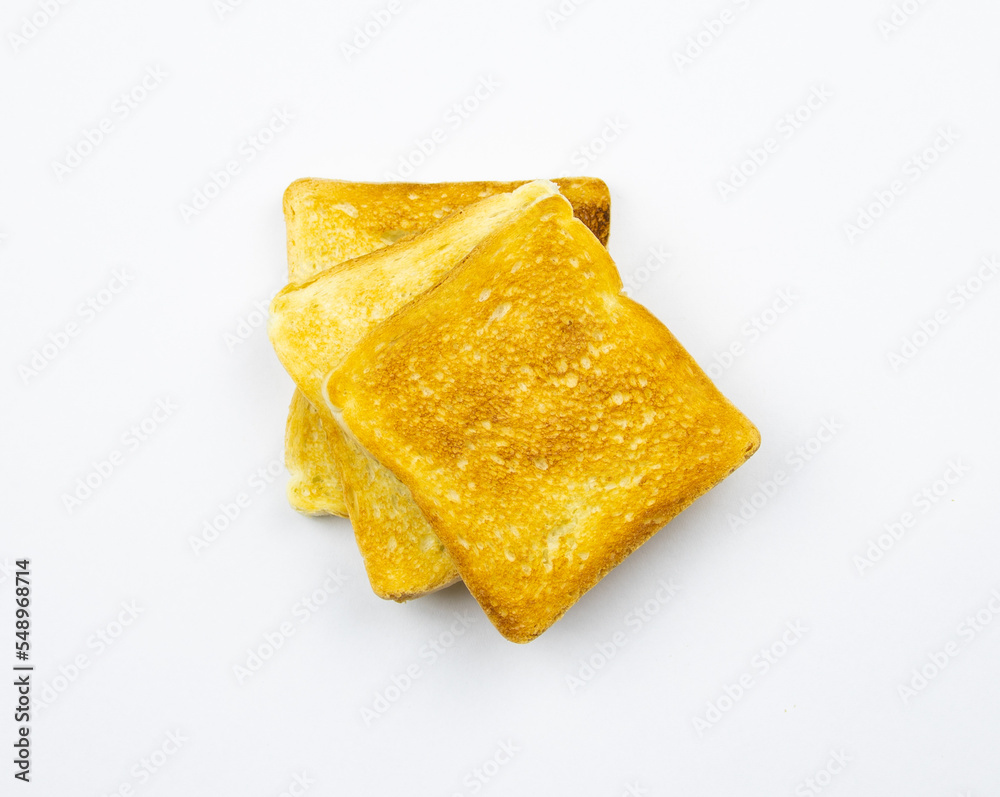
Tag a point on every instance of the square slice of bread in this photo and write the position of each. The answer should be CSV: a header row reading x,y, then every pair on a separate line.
x,y
545,424
330,221
313,326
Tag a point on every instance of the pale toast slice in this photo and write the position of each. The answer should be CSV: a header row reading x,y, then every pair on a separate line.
x,y
545,424
314,486
313,326
330,221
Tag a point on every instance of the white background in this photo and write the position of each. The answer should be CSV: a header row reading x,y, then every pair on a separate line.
x,y
674,131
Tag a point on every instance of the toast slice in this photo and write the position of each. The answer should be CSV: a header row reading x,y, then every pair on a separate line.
x,y
314,486
330,221
545,424
313,326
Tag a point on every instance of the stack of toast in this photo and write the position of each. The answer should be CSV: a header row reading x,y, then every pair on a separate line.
x,y
475,392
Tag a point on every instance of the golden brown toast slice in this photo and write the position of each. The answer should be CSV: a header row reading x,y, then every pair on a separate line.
x,y
330,221
545,424
313,326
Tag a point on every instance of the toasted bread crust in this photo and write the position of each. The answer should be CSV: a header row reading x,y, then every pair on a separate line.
x,y
331,221
545,424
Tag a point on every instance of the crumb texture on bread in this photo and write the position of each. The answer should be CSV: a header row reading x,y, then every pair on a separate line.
x,y
545,424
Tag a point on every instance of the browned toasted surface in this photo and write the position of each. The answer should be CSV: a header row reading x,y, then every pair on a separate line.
x,y
330,221
545,424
